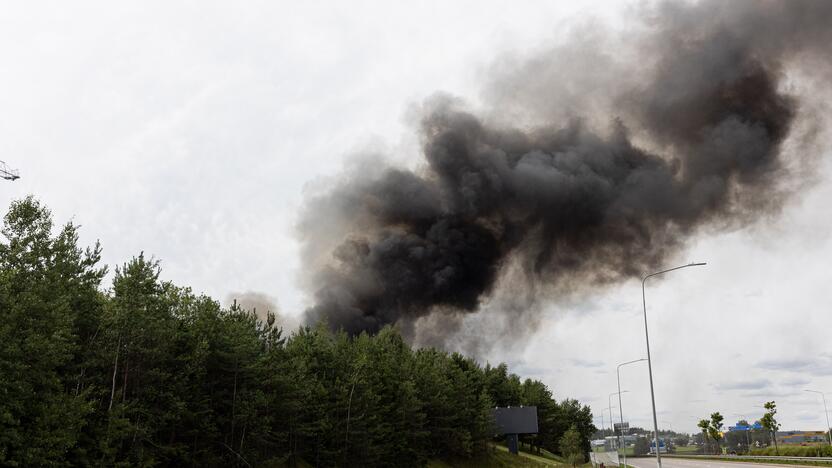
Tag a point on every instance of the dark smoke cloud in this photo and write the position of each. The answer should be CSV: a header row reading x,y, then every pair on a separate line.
x,y
597,160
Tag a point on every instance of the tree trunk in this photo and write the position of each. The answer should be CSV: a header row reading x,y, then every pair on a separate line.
x,y
115,371
124,384
234,402
347,434
243,436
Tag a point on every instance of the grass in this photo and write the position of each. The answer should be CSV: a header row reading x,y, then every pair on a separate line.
x,y
525,450
629,451
543,460
686,449
766,460
796,451
501,458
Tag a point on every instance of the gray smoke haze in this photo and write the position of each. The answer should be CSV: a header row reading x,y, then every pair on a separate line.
x,y
262,304
591,162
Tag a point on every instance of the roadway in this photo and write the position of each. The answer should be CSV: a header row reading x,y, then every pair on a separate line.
x,y
688,463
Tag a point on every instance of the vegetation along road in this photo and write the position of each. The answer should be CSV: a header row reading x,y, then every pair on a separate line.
x,y
688,463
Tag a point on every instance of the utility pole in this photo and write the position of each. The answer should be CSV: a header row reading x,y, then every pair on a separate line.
x,y
8,173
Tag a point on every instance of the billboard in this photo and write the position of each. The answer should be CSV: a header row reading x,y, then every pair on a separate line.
x,y
516,420
618,427
756,426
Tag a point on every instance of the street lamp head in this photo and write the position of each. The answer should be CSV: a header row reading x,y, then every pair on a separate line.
x,y
671,269
631,362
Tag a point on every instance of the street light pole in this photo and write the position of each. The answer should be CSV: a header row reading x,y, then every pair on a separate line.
x,y
825,412
620,407
609,404
602,421
747,431
612,418
649,361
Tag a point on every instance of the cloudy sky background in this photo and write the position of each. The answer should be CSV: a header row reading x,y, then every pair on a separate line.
x,y
190,132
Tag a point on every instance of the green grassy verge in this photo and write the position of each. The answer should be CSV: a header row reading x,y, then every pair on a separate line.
x,y
525,450
501,458
796,451
766,460
686,449
540,460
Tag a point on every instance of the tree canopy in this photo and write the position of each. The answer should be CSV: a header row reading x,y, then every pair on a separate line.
x,y
148,373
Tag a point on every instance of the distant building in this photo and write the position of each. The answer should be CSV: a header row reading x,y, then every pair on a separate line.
x,y
801,437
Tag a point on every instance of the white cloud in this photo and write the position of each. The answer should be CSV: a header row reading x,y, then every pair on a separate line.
x,y
189,131
755,384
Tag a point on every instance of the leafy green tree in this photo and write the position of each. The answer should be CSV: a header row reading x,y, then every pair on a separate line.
x,y
143,403
571,412
571,447
49,309
505,388
770,424
642,446
715,430
704,425
535,393
147,373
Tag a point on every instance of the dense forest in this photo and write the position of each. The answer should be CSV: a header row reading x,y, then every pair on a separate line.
x,y
142,372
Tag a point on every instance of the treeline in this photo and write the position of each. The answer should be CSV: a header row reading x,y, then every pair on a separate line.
x,y
146,373
762,432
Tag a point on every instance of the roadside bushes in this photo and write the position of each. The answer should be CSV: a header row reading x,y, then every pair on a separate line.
x,y
796,451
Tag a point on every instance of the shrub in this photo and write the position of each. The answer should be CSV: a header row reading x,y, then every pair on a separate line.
x,y
796,451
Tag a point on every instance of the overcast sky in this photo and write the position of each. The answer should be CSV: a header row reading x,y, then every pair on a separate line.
x,y
189,132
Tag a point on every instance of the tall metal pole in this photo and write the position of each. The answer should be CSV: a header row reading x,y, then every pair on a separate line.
x,y
609,408
602,421
650,362
612,417
747,431
621,408
609,404
825,412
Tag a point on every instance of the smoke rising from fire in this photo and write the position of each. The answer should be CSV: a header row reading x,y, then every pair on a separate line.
x,y
593,162
262,305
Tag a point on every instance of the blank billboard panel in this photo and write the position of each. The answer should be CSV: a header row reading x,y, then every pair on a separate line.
x,y
516,420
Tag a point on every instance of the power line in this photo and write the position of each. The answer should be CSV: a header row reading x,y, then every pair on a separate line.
x,y
8,173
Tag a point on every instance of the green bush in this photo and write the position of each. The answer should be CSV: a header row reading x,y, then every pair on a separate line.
x,y
796,451
641,447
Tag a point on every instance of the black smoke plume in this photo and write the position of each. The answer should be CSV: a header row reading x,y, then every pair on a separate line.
x,y
594,162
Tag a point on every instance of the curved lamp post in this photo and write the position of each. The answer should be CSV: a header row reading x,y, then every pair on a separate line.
x,y
609,404
621,408
649,362
825,412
